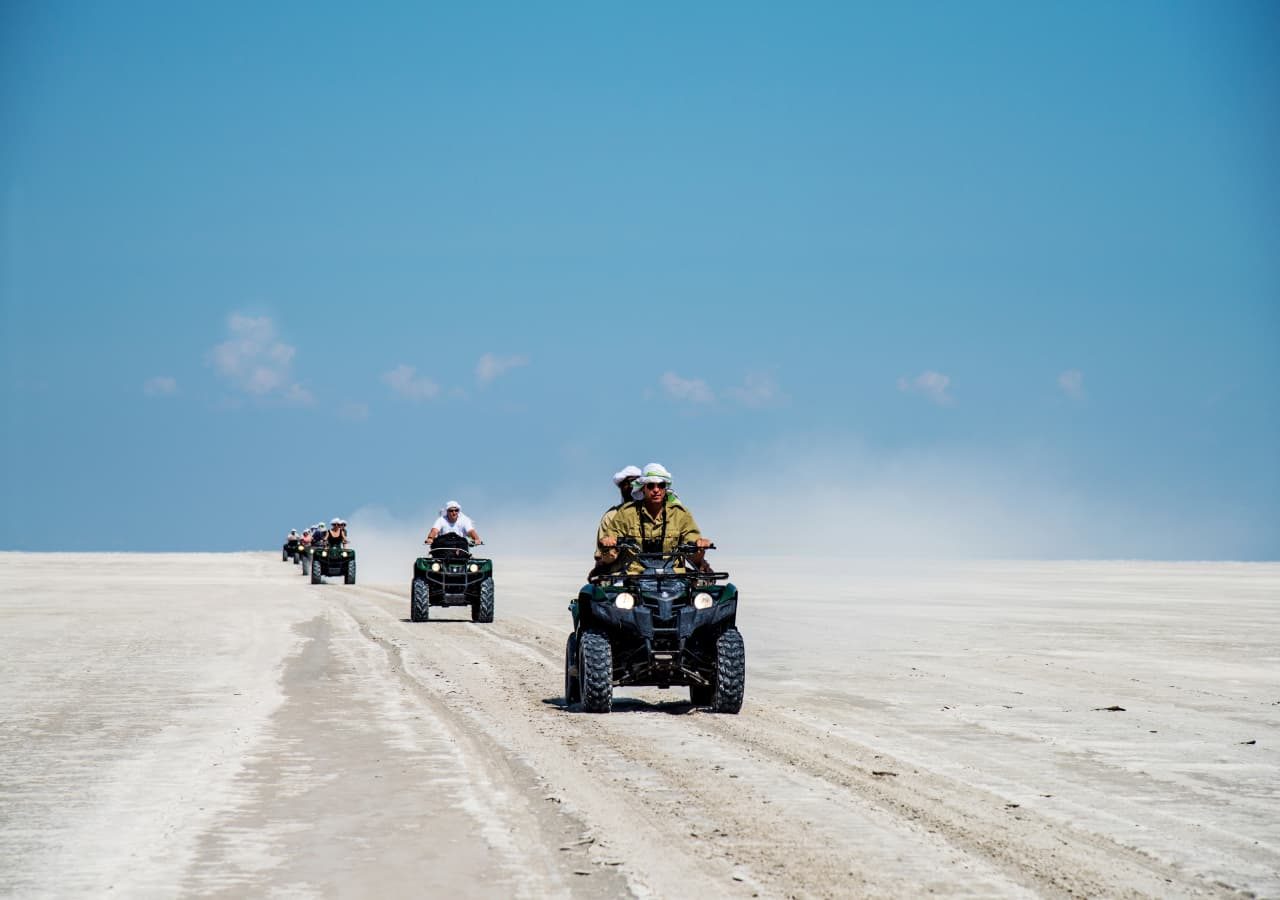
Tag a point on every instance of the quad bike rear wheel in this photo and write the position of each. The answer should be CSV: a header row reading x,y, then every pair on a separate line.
x,y
595,665
572,685
419,601
701,694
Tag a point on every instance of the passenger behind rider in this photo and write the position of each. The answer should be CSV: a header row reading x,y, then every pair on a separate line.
x,y
452,521
657,524
624,480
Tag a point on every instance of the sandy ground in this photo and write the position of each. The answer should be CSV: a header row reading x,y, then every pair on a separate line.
x,y
213,725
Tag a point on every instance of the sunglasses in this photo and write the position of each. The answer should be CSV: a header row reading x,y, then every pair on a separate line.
x,y
655,486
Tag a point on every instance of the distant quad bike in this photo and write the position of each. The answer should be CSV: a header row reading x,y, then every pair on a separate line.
x,y
658,628
332,561
290,550
451,576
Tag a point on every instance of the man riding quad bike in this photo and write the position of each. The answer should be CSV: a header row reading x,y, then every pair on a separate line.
x,y
291,543
660,622
329,555
451,576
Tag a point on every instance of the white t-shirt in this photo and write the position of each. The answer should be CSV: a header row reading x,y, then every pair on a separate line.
x,y
462,526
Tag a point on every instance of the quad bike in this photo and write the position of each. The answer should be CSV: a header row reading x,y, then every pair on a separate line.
x,y
320,560
450,576
665,626
290,551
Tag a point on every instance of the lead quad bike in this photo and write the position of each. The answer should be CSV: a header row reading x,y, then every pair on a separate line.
x,y
290,551
662,627
319,561
450,576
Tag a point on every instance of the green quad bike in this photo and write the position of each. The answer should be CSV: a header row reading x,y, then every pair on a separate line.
x,y
290,551
451,576
332,561
658,628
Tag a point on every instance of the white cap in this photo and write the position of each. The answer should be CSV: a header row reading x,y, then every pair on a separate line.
x,y
628,472
654,473
452,504
335,521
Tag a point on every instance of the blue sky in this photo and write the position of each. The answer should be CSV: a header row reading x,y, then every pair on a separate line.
x,y
950,265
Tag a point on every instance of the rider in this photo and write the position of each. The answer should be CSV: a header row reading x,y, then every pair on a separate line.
x,y
336,536
658,525
293,536
452,521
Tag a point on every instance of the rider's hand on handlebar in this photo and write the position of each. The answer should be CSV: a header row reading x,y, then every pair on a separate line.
x,y
704,544
608,541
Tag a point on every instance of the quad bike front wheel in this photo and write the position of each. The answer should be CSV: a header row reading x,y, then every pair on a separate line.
x,y
482,606
595,668
731,672
317,572
419,601
349,577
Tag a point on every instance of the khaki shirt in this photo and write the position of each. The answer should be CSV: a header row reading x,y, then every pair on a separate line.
x,y
605,522
626,522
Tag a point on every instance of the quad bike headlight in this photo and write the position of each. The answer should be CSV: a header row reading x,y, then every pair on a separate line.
x,y
624,601
346,553
702,601
324,552
474,567
435,567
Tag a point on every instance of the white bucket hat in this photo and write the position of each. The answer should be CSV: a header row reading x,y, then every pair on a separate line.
x,y
654,473
628,472
453,504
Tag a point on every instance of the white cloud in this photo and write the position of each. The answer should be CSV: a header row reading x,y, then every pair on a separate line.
x,y
758,389
256,362
933,385
160,386
689,390
1072,383
405,381
490,367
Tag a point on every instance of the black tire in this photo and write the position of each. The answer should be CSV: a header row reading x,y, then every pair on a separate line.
x,y
419,601
572,686
284,555
731,672
306,565
317,571
595,665
701,694
482,607
350,576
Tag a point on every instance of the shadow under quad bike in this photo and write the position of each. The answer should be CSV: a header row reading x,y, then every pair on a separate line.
x,y
290,552
321,560
450,576
657,628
